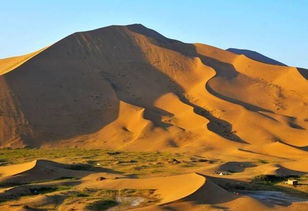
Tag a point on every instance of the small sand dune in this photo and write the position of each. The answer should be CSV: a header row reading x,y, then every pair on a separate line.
x,y
169,188
184,192
6,171
193,191
36,171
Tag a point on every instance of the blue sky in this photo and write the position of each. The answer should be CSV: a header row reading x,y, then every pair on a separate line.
x,y
275,28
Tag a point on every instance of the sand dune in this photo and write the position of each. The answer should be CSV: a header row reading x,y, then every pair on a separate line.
x,y
121,86
172,191
130,88
6,171
192,191
167,187
12,63
255,56
181,190
36,171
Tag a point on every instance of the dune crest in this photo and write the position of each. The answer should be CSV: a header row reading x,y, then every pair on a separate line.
x,y
8,64
124,87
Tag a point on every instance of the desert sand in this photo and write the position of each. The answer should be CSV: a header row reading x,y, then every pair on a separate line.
x,y
129,88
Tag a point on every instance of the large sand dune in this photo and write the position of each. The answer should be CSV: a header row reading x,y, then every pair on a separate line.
x,y
128,86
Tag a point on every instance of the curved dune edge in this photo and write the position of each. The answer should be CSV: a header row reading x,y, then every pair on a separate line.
x,y
298,165
203,194
187,192
170,188
9,64
191,191
11,170
36,171
176,96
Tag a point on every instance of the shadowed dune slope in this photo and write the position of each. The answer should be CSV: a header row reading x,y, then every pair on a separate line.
x,y
37,170
11,63
128,86
166,187
255,56
186,192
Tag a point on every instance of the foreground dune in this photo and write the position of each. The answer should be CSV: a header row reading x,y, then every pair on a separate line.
x,y
170,188
36,171
6,171
181,191
191,191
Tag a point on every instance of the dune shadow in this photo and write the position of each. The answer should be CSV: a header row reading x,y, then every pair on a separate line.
x,y
154,115
283,171
255,56
219,126
210,193
75,86
228,71
303,72
90,168
268,195
235,167
46,170
304,148
222,69
292,123
259,153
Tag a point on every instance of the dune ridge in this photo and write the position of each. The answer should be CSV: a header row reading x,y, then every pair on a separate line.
x,y
11,63
123,87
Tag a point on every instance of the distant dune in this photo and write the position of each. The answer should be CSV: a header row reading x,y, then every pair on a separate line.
x,y
130,88
304,72
255,56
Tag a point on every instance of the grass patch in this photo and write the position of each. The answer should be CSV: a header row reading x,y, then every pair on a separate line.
x,y
122,162
48,189
76,194
137,192
268,179
84,156
263,161
67,178
101,205
81,167
3,162
34,190
14,156
103,199
141,163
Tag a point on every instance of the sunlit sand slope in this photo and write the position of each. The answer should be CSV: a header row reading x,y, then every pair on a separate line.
x,y
128,87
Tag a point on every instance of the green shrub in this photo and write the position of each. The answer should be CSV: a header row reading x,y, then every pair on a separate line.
x,y
101,205
269,179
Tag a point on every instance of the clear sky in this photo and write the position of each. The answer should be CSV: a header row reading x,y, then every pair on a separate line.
x,y
275,28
